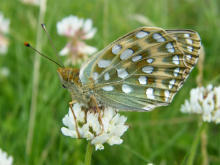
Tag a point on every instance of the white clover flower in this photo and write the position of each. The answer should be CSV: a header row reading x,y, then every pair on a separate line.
x,y
5,159
73,26
90,128
204,101
77,30
31,2
4,72
4,29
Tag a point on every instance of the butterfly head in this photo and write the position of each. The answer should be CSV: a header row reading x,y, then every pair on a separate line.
x,y
68,76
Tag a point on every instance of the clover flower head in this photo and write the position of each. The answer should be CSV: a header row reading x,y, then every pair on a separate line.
x,y
31,2
76,30
90,128
4,29
204,101
4,72
5,159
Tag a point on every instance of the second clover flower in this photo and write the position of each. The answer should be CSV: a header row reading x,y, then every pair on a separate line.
x,y
204,101
77,30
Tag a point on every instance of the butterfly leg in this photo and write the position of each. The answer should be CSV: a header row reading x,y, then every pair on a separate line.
x,y
71,107
99,112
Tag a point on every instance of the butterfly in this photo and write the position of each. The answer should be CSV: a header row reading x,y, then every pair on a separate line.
x,y
141,70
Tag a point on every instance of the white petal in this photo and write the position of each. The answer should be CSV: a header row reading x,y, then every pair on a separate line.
x,y
3,47
68,132
88,49
99,147
209,87
121,120
76,109
109,113
197,108
64,51
216,116
207,117
89,34
4,71
100,139
87,25
88,135
114,140
66,120
186,108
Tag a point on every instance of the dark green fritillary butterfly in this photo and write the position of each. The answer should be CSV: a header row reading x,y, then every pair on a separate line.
x,y
141,70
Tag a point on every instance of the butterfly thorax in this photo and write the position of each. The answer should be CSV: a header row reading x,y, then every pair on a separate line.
x,y
69,78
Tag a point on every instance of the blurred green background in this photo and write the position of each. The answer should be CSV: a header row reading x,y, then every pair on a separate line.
x,y
163,136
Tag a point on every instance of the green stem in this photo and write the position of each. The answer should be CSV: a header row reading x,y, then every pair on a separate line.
x,y
88,153
195,144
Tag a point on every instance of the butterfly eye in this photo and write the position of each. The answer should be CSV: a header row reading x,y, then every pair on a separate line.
x,y
64,86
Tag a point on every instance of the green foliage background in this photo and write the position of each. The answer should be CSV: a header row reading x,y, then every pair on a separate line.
x,y
163,136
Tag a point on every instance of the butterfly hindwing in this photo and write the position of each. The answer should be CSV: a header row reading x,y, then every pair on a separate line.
x,y
141,70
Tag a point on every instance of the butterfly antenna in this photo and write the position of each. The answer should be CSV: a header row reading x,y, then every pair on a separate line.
x,y
43,26
28,45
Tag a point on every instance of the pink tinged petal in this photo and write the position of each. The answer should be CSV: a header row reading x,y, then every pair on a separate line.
x,y
68,26
64,51
87,25
89,34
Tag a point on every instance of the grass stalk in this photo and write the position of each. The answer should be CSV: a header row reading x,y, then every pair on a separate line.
x,y
35,79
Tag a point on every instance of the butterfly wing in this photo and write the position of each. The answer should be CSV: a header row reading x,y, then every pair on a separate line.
x,y
143,69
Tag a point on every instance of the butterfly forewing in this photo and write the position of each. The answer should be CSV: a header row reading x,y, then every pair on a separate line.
x,y
143,69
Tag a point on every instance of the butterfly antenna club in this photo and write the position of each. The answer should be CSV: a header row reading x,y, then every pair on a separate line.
x,y
28,45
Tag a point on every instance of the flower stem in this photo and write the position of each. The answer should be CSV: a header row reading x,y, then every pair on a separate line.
x,y
195,144
205,160
88,153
